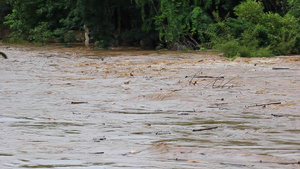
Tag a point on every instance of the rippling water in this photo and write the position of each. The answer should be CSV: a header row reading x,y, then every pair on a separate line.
x,y
142,112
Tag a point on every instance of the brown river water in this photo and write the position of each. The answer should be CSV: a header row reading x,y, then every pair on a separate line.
x,y
128,108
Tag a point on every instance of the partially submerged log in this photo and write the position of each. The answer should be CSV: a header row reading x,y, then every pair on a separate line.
x,y
4,55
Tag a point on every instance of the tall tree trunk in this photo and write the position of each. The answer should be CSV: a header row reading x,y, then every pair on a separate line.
x,y
86,35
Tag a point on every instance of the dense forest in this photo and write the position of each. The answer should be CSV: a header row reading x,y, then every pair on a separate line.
x,y
246,28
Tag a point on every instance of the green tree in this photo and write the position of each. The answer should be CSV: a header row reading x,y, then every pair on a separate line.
x,y
36,20
255,33
183,21
294,8
40,20
257,25
4,10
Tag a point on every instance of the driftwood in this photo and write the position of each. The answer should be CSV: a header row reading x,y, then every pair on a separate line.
x,y
264,105
234,165
280,68
281,163
209,128
277,115
207,77
190,161
79,102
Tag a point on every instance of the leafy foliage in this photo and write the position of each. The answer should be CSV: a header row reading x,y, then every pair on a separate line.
x,y
4,10
181,22
255,33
246,28
35,20
249,11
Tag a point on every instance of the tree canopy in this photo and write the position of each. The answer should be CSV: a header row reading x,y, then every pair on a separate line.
x,y
236,27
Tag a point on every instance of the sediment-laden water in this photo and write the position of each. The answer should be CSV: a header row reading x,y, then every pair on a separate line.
x,y
72,108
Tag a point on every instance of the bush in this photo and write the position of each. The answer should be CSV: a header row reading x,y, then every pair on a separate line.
x,y
41,33
284,32
15,37
102,44
256,34
230,48
234,48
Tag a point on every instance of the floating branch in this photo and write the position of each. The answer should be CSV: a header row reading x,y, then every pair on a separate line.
x,y
277,115
280,68
234,165
209,128
264,105
207,77
79,102
281,163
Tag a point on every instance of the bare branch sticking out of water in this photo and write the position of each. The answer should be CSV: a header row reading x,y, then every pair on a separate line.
x,y
221,85
191,80
228,81
213,85
216,79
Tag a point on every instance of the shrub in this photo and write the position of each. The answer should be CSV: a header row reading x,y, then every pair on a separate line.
x,y
284,32
256,34
41,33
233,48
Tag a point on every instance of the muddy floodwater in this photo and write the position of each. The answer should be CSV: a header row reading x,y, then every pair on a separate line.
x,y
127,108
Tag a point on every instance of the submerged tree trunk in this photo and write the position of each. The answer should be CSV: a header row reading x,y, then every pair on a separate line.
x,y
86,35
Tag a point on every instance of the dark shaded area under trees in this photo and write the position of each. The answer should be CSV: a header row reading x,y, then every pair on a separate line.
x,y
245,28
